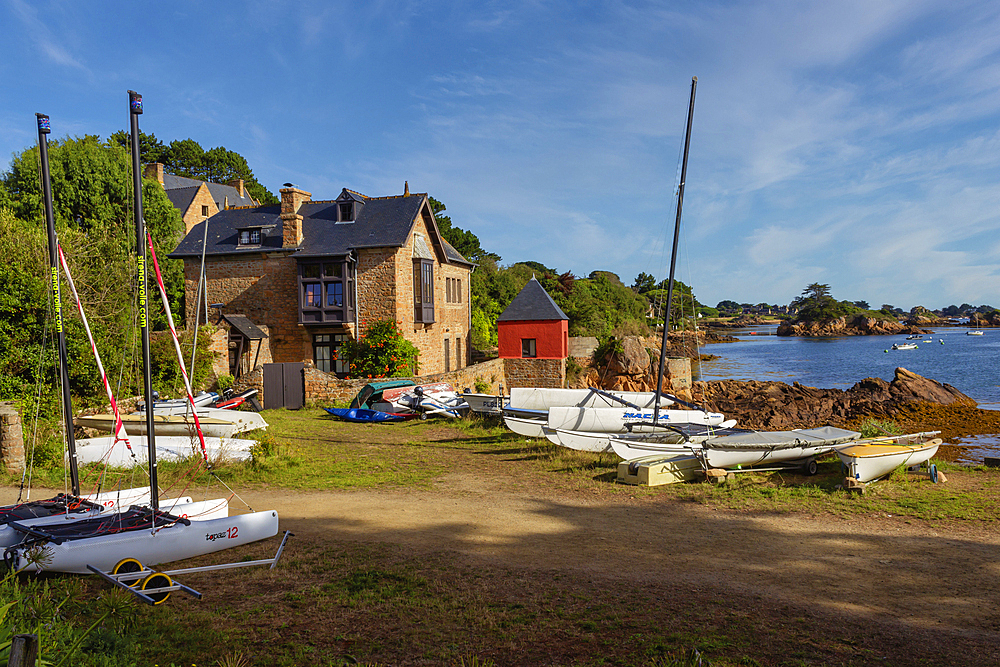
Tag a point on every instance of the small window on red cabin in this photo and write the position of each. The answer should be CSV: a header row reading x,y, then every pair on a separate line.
x,y
528,348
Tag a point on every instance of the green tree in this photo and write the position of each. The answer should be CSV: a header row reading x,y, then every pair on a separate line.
x,y
643,283
382,352
816,304
462,240
727,306
186,157
92,201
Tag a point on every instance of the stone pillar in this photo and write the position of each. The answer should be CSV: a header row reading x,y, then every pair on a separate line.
x,y
11,438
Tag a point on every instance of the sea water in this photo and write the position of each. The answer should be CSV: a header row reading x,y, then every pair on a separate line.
x,y
968,363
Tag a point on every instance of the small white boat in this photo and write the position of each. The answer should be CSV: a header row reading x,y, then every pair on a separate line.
x,y
744,449
135,424
872,458
914,337
487,404
169,448
436,399
977,332
242,420
904,346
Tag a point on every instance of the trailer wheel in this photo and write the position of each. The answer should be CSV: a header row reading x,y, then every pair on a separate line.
x,y
128,565
933,472
810,467
157,580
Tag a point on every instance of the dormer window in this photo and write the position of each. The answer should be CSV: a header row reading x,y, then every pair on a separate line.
x,y
249,237
346,211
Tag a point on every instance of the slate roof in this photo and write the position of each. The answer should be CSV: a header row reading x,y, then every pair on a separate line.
x,y
181,198
220,193
381,222
243,324
532,304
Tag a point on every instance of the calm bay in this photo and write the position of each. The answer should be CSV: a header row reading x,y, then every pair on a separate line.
x,y
968,363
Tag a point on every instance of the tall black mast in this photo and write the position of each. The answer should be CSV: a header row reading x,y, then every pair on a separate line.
x,y
673,254
135,109
50,228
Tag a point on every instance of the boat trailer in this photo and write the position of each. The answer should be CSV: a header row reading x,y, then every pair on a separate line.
x,y
154,587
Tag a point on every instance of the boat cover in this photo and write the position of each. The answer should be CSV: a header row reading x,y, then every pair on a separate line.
x,y
824,435
372,392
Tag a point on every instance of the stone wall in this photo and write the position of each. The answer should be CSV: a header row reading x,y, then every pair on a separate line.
x,y
11,438
535,372
325,388
582,346
194,215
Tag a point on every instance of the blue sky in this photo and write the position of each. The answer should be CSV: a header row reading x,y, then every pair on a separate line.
x,y
855,144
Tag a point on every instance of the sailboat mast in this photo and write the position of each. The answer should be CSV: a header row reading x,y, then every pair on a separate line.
x,y
50,228
135,109
673,254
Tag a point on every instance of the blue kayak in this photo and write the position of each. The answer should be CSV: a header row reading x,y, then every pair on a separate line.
x,y
366,416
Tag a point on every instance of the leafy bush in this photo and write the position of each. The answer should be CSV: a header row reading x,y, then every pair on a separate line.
x,y
224,382
873,428
482,386
382,352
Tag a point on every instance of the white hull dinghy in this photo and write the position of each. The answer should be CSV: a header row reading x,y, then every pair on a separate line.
x,y
872,458
242,420
486,404
974,333
168,448
904,346
163,424
746,449
437,399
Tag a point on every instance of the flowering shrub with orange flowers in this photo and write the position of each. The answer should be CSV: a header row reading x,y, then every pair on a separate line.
x,y
381,352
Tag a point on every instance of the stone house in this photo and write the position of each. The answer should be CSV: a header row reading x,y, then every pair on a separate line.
x,y
198,200
309,275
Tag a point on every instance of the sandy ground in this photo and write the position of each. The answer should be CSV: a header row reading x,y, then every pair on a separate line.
x,y
878,566
879,569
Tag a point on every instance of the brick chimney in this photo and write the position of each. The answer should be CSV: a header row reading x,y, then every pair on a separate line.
x,y
154,170
238,184
291,222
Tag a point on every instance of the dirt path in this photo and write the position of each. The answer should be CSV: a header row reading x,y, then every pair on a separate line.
x,y
876,567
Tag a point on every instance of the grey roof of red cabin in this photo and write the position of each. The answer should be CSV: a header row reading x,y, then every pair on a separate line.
x,y
381,222
532,304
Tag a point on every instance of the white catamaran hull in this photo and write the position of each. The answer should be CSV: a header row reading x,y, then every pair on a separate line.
x,y
169,448
537,398
9,536
163,424
618,420
174,542
529,428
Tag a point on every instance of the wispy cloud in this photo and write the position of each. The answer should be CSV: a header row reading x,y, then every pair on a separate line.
x,y
42,37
